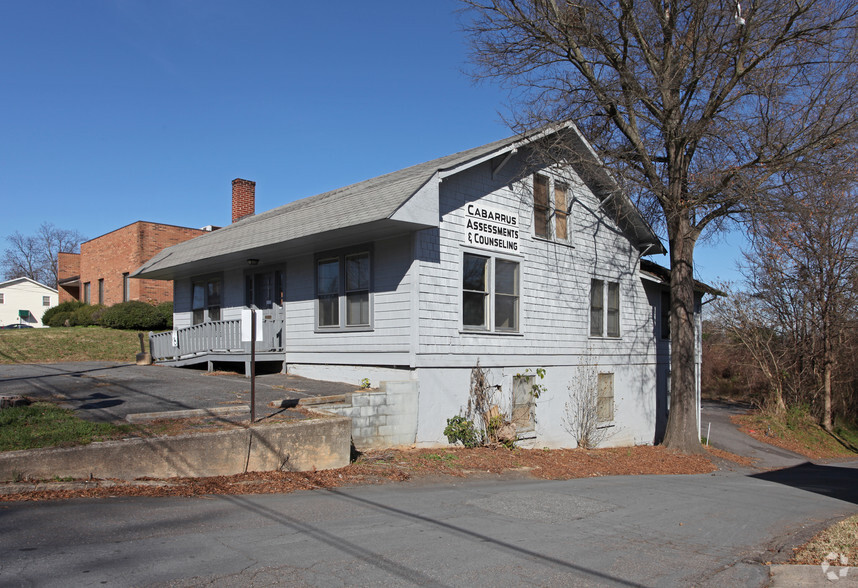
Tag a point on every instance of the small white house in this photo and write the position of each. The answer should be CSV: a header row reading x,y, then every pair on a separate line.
x,y
24,301
414,277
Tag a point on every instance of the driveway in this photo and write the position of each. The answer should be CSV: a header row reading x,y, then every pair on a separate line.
x,y
725,435
105,391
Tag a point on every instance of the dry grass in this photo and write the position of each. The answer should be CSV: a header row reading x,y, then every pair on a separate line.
x,y
68,344
796,432
840,539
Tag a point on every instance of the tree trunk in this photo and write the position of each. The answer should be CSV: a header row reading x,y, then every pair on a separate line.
x,y
682,432
826,386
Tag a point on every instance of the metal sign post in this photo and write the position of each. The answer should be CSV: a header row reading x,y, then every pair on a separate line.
x,y
252,365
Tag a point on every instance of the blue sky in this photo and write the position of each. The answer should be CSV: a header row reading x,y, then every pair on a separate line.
x,y
125,110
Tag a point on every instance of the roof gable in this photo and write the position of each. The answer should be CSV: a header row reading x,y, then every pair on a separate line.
x,y
25,280
399,201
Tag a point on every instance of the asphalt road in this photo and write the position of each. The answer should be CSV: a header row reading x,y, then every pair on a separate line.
x,y
724,435
705,530
106,391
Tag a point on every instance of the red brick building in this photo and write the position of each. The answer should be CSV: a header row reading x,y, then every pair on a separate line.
x,y
99,273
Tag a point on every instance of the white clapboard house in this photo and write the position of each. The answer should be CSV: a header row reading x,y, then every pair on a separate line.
x,y
23,301
411,278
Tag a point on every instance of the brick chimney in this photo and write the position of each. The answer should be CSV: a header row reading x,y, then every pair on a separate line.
x,y
243,198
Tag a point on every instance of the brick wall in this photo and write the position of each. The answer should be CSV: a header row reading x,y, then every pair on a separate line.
x,y
122,251
68,266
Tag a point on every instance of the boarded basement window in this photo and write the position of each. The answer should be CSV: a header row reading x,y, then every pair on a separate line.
x,y
605,400
523,403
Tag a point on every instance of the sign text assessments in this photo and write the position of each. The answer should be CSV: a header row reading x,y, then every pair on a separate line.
x,y
491,228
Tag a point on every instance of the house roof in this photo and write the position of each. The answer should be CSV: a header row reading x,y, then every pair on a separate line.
x,y
24,279
661,275
374,205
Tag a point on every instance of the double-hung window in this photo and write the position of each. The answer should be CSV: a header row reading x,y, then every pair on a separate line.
x,y
604,308
490,294
343,284
206,300
546,208
46,301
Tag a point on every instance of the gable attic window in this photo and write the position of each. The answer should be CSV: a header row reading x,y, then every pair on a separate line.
x,y
544,208
205,300
2,300
541,207
604,308
490,288
343,284
46,300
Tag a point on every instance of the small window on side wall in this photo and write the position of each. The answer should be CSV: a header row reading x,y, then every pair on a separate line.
x,y
605,398
46,300
604,308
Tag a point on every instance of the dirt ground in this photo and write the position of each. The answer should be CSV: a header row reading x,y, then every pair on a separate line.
x,y
414,465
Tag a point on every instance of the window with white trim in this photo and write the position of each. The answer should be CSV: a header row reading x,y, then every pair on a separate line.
x,y
2,299
604,308
343,284
206,300
46,300
490,293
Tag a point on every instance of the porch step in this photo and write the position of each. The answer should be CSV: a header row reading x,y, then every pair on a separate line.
x,y
314,400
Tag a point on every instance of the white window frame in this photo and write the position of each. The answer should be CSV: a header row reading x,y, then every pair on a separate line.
x,y
603,331
343,292
2,298
207,306
491,294
46,300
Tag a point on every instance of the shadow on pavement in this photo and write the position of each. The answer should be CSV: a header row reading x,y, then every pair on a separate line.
x,y
832,481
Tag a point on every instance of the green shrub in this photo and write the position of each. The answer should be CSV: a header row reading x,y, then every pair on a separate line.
x,y
166,310
133,315
58,319
87,315
462,430
66,307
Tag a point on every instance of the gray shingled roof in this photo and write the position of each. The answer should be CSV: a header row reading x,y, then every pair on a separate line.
x,y
362,203
371,200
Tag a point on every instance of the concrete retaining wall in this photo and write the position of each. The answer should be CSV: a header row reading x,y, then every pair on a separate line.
x,y
381,418
302,446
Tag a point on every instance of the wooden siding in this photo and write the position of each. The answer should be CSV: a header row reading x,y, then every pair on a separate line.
x,y
555,281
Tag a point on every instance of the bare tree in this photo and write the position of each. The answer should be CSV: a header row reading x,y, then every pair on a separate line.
x,y
802,267
35,256
699,106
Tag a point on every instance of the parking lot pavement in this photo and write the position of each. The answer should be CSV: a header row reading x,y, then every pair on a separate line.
x,y
107,391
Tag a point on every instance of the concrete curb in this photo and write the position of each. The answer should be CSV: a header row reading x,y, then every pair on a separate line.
x,y
223,411
801,576
313,444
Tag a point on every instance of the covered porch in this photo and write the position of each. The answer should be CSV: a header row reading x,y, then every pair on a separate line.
x,y
224,341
